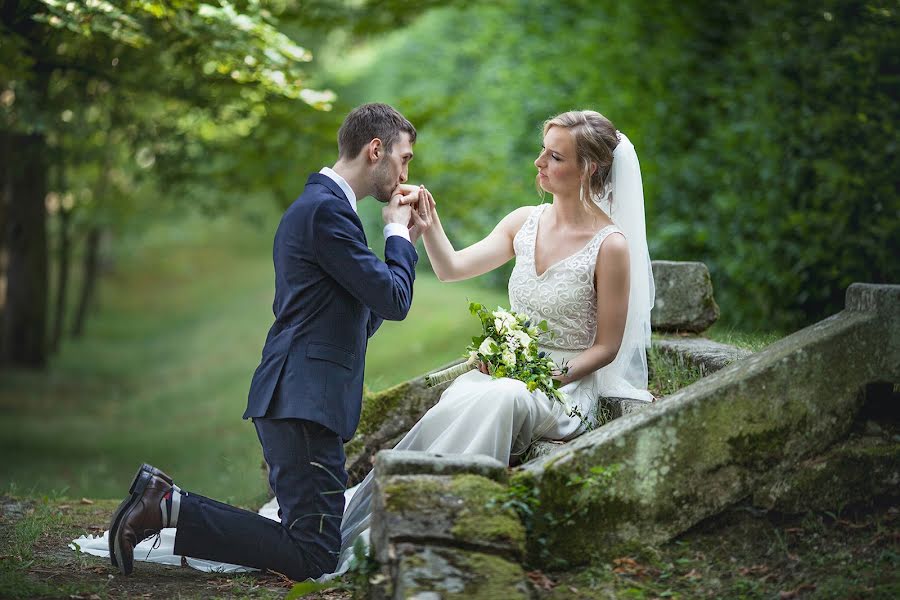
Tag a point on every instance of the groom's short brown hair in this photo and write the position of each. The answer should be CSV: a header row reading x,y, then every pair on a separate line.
x,y
370,121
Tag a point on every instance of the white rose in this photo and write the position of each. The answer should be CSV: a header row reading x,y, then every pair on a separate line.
x,y
509,358
488,346
523,338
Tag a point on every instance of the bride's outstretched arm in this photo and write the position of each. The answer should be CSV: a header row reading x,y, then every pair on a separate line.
x,y
479,258
612,282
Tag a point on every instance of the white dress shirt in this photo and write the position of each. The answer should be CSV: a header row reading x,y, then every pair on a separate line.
x,y
389,229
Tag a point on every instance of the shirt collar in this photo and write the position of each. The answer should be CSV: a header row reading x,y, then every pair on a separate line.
x,y
342,183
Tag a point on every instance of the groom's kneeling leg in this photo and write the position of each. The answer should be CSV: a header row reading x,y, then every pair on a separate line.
x,y
306,471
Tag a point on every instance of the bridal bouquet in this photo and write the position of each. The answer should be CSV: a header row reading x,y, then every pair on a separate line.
x,y
508,346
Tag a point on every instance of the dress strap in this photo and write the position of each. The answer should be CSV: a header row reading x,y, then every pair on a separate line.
x,y
524,239
599,237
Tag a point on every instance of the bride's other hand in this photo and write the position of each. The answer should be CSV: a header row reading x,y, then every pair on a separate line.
x,y
409,192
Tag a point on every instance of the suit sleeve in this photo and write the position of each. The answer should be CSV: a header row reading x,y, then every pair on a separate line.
x,y
374,323
385,287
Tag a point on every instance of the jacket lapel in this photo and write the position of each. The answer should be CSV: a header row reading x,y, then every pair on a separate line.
x,y
337,191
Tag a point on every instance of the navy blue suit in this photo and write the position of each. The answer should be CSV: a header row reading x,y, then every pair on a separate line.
x,y
331,295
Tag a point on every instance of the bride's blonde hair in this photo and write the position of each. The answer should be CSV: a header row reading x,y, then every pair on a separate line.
x,y
595,141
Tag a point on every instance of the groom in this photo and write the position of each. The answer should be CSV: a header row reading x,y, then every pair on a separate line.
x,y
331,294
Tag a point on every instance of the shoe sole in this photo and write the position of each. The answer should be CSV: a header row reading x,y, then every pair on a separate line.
x,y
134,494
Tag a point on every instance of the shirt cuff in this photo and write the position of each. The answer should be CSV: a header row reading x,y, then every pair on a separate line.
x,y
396,229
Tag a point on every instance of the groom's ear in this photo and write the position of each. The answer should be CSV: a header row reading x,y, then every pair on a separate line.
x,y
374,150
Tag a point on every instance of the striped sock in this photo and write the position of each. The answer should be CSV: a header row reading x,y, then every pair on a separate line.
x,y
169,506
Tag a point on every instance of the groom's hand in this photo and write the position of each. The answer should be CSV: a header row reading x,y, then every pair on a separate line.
x,y
395,211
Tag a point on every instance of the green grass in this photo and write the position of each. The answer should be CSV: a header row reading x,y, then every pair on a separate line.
x,y
163,370
754,340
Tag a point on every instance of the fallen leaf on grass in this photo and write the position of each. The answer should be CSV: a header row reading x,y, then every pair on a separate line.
x,y
754,570
693,575
804,587
64,507
87,501
283,580
83,597
100,570
539,580
628,566
798,530
851,524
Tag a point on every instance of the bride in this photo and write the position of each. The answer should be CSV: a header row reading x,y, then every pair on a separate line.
x,y
582,265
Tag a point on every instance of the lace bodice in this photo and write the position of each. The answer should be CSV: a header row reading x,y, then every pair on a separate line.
x,y
564,294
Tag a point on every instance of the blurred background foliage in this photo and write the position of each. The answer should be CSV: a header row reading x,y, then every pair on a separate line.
x,y
148,147
767,130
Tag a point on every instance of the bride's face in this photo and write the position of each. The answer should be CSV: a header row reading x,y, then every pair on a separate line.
x,y
557,164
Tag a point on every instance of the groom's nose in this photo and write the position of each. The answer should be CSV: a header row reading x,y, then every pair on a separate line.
x,y
404,175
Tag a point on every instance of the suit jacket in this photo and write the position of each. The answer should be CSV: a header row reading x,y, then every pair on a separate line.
x,y
331,294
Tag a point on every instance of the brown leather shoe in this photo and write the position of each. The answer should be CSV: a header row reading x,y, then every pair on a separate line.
x,y
138,517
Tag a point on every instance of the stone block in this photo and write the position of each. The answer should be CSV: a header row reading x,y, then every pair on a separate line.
x,y
684,297
456,511
424,572
619,407
708,356
541,448
409,462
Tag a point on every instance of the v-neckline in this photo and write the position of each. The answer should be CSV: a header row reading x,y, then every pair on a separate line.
x,y
537,227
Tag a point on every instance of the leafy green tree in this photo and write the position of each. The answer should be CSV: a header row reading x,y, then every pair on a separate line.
x,y
157,73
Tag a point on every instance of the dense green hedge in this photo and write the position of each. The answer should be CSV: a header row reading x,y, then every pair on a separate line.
x,y
766,130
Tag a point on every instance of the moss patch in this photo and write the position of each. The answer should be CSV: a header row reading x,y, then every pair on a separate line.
x,y
481,519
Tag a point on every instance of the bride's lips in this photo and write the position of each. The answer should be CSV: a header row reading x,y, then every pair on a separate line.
x,y
541,175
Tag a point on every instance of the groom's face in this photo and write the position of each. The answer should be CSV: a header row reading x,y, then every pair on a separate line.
x,y
392,168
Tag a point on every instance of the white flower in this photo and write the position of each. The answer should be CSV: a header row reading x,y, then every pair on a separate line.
x,y
523,338
488,347
508,358
504,322
512,341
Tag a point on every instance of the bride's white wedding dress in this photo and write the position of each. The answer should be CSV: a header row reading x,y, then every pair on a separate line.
x,y
481,415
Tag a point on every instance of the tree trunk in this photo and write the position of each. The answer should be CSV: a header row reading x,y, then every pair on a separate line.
x,y
89,279
25,312
62,277
5,195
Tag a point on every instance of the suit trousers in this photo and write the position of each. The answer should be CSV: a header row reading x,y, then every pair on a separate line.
x,y
306,471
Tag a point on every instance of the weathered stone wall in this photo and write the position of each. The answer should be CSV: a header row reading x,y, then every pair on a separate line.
x,y
706,447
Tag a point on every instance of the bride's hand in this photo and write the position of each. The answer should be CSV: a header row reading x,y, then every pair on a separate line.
x,y
422,216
